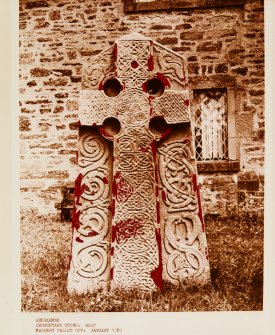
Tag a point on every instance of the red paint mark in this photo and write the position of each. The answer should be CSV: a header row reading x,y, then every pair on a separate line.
x,y
156,274
76,157
144,87
113,233
150,63
163,195
114,188
111,273
112,251
186,102
105,180
151,98
78,239
104,134
94,124
75,220
186,140
92,233
101,86
123,189
166,133
126,229
163,79
134,64
78,123
115,51
78,189
195,183
113,207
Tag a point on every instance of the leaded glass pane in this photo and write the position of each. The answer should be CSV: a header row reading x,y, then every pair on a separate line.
x,y
210,116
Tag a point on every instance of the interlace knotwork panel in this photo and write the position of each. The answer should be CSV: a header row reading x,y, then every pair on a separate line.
x,y
136,253
90,258
184,245
132,62
172,105
102,66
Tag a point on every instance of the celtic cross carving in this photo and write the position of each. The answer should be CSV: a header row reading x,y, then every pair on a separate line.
x,y
138,217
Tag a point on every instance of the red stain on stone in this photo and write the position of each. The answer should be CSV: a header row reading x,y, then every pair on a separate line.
x,y
114,188
150,63
78,239
128,228
111,273
186,140
92,233
163,79
186,102
78,189
112,251
113,207
75,220
156,274
123,189
105,180
194,182
166,133
163,195
113,233
144,87
134,64
115,52
104,134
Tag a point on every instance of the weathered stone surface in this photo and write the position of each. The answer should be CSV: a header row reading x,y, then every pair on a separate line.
x,y
209,46
36,4
39,72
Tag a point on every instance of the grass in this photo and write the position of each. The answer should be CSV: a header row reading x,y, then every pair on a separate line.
x,y
236,264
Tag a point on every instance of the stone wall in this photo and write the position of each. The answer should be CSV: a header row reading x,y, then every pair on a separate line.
x,y
224,46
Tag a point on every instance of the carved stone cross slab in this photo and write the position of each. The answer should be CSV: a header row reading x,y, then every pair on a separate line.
x,y
138,218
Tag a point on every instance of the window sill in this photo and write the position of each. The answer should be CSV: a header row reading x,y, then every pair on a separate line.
x,y
218,166
133,6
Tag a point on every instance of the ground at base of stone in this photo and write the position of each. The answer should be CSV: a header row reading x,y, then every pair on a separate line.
x,y
236,262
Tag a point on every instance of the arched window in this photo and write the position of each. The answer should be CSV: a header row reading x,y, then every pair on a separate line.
x,y
211,124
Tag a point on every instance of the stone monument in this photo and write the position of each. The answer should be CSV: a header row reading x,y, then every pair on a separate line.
x,y
138,218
